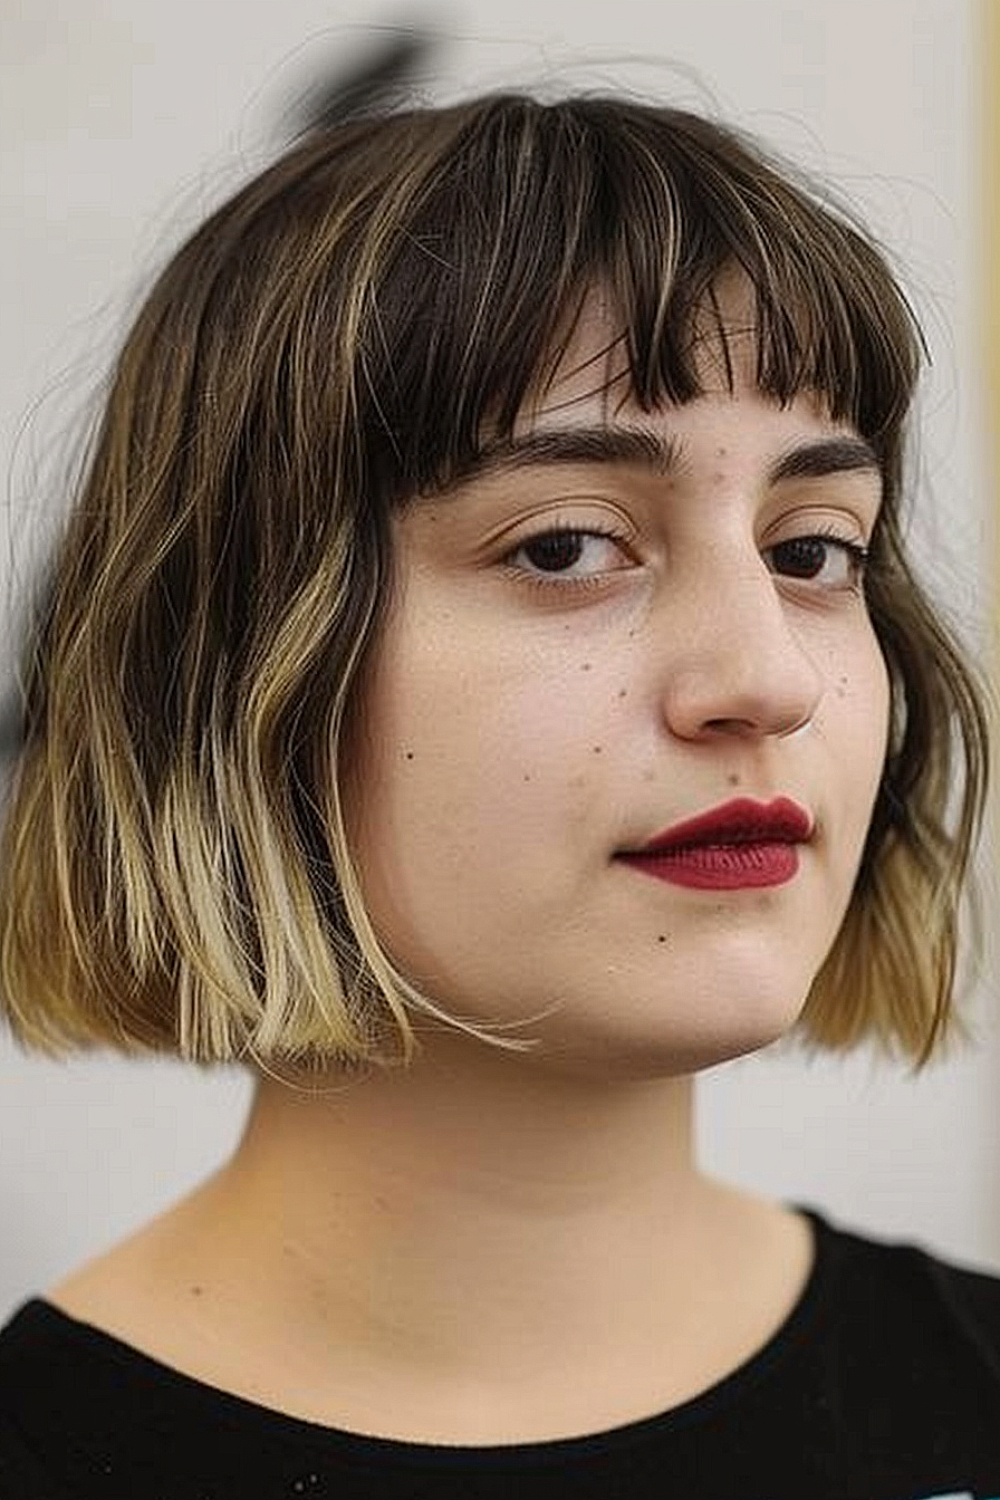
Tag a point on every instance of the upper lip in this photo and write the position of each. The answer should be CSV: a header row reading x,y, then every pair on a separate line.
x,y
742,821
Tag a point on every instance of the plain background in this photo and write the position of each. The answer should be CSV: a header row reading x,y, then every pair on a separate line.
x,y
123,121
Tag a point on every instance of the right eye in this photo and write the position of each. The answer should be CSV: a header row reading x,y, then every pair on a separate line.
x,y
568,553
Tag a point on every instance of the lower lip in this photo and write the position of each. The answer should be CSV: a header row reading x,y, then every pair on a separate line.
x,y
721,867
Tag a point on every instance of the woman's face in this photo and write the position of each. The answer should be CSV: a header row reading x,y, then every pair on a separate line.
x,y
591,643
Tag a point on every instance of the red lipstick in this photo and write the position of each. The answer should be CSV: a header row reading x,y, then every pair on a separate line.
x,y
741,844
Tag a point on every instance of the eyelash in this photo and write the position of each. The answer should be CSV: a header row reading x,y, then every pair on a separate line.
x,y
856,554
556,579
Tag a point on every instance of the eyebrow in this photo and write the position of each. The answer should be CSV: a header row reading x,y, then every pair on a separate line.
x,y
660,454
832,455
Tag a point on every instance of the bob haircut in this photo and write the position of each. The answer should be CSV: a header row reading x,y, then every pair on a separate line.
x,y
329,346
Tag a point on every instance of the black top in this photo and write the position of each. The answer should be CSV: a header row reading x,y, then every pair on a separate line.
x,y
882,1384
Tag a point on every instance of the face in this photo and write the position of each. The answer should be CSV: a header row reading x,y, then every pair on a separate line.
x,y
598,637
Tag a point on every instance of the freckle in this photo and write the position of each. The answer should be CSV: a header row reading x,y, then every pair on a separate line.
x,y
586,667
526,776
733,778
623,692
196,1291
720,452
649,775
597,749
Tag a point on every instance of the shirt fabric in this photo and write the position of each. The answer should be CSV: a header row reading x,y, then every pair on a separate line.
x,y
882,1384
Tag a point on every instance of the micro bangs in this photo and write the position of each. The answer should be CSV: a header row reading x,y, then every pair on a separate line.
x,y
653,207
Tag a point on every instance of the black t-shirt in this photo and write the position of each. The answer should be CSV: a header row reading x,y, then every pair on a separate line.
x,y
882,1384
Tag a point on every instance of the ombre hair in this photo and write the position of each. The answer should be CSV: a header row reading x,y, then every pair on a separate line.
x,y
332,344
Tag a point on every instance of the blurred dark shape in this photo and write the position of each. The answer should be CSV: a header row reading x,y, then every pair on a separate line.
x,y
383,78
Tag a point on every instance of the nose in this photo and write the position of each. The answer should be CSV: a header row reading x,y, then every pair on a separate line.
x,y
736,664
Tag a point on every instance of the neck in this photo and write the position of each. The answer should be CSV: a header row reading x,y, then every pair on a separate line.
x,y
476,1212
478,1131
478,1249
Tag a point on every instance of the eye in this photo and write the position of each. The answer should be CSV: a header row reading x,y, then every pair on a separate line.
x,y
835,562
568,553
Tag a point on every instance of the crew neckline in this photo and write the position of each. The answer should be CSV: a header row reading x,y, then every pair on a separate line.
x,y
233,1411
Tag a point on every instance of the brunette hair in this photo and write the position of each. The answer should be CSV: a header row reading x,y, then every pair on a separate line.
x,y
174,871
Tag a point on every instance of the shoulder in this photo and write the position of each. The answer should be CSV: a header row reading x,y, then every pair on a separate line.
x,y
905,1271
68,1392
899,1307
28,1344
888,1370
27,1377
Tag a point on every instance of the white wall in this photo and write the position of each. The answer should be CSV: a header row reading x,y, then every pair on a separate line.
x,y
122,120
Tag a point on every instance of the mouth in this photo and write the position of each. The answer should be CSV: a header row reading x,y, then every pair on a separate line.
x,y
742,844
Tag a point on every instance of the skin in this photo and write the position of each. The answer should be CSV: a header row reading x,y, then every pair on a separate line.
x,y
527,725
499,1246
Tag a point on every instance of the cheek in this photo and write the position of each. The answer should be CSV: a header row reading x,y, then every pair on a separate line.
x,y
868,693
859,728
476,759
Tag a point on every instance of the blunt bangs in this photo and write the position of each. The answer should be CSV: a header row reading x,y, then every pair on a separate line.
x,y
533,206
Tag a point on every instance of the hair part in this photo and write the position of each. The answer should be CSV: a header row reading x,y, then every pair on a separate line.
x,y
175,874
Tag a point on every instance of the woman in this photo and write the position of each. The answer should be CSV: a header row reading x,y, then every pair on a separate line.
x,y
481,687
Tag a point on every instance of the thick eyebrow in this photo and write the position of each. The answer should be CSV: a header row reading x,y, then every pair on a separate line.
x,y
636,446
659,453
832,455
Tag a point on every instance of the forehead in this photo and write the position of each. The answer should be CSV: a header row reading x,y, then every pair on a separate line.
x,y
590,380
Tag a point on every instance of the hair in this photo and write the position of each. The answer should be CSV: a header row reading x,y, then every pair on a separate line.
x,y
175,874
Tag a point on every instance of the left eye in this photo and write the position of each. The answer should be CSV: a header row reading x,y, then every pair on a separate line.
x,y
831,560
567,551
